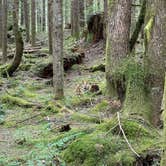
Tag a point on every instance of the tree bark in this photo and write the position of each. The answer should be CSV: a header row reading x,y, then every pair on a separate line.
x,y
119,21
50,24
1,14
75,18
44,16
18,40
82,12
4,31
26,19
155,58
58,49
33,22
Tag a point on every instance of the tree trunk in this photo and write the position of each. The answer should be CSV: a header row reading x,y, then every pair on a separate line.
x,y
163,159
1,14
58,49
117,49
155,58
33,22
22,13
26,19
75,19
4,31
18,40
50,24
82,13
44,16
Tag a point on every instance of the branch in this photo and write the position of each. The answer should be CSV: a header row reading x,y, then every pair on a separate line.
x,y
124,135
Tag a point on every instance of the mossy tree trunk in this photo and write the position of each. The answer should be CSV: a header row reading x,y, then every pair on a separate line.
x,y
117,47
155,58
18,40
4,30
163,160
58,72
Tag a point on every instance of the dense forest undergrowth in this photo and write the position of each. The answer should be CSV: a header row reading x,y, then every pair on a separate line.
x,y
84,128
82,83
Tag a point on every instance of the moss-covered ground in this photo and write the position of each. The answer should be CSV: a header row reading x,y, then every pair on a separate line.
x,y
31,122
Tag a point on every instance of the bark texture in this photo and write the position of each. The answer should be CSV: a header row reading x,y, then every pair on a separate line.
x,y
58,49
4,31
75,18
0,24
50,24
33,22
26,19
119,21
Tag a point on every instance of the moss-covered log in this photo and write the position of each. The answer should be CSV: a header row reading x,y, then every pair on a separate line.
x,y
46,70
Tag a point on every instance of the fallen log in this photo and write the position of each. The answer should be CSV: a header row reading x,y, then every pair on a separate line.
x,y
46,70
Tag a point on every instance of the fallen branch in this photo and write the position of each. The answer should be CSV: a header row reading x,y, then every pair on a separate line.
x,y
124,135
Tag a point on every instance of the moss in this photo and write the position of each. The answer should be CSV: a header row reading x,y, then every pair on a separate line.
x,y
100,107
11,100
85,118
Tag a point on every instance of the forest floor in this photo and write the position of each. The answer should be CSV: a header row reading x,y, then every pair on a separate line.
x,y
35,129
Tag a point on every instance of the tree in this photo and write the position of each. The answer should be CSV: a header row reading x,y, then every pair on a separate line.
x,y
4,30
44,16
33,22
50,24
75,18
155,44
82,12
163,160
26,19
58,49
119,21
18,40
0,23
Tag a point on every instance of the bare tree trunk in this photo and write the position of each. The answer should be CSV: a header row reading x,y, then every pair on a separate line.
x,y
22,12
75,23
26,19
82,12
50,24
119,22
1,14
58,49
44,16
33,22
4,31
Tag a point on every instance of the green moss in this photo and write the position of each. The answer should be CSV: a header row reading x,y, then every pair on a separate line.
x,y
100,107
11,100
85,118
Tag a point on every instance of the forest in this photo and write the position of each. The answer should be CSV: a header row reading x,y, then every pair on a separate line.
x,y
82,82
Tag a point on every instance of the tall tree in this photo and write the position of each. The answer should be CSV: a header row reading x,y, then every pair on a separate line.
x,y
163,160
119,21
44,15
26,19
50,24
1,23
4,30
58,49
33,22
155,33
82,12
75,18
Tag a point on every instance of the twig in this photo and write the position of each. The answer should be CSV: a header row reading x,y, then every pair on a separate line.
x,y
124,135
